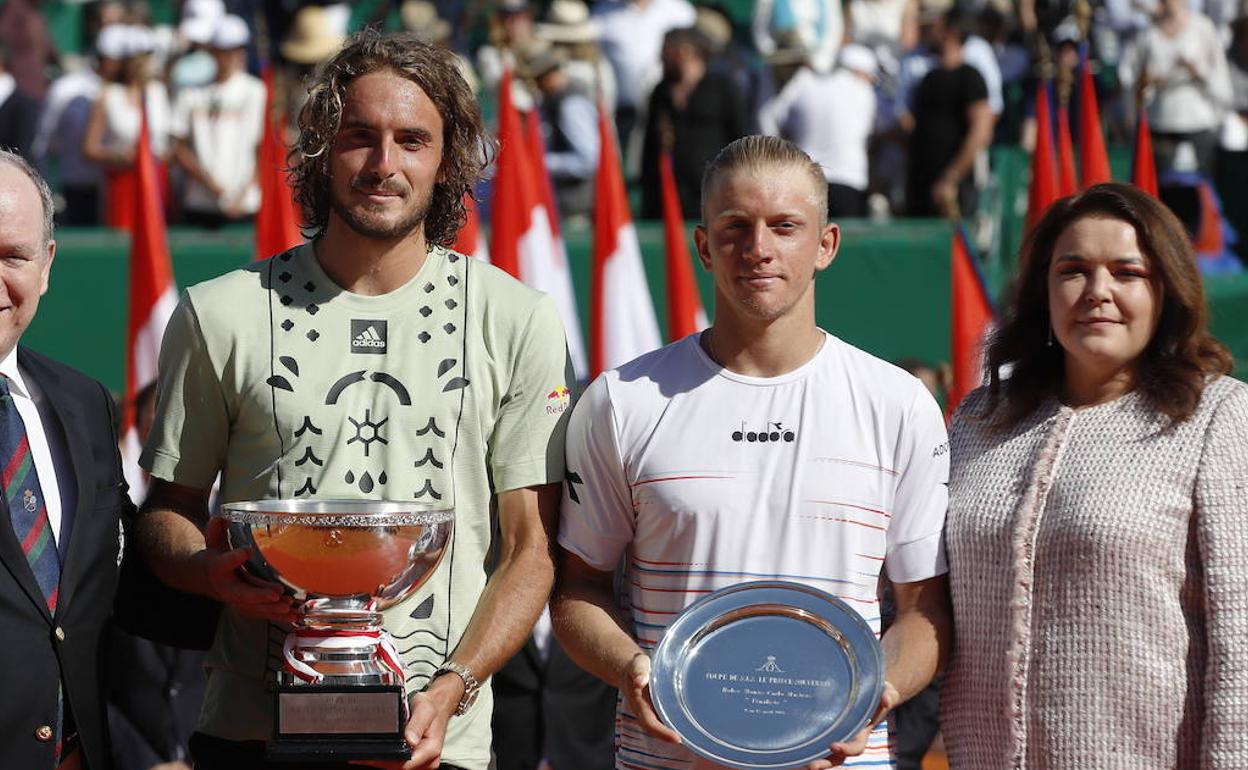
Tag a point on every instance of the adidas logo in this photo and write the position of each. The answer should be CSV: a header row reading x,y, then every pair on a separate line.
x,y
368,336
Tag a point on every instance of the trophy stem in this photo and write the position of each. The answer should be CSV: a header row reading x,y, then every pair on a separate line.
x,y
341,641
339,613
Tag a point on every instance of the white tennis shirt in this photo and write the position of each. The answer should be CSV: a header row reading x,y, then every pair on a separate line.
x,y
700,478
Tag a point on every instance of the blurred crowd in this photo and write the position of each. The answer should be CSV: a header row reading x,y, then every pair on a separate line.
x,y
898,100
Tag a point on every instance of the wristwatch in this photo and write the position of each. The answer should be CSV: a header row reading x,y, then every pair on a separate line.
x,y
471,685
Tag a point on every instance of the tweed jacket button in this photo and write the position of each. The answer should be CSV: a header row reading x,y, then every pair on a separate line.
x,y
43,734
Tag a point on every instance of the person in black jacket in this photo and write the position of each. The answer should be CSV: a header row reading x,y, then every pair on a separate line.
x,y
156,675
64,499
19,112
694,113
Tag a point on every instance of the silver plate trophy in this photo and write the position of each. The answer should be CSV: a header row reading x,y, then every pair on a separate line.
x,y
341,694
767,675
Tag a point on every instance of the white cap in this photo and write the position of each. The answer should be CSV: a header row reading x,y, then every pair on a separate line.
x,y
1067,31
231,32
203,9
110,43
859,58
197,29
139,40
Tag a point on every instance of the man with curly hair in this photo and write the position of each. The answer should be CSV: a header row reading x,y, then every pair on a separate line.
x,y
369,363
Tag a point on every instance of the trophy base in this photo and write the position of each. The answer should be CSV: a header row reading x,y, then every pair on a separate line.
x,y
332,723
307,751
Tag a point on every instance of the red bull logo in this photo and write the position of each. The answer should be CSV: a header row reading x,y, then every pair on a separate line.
x,y
557,400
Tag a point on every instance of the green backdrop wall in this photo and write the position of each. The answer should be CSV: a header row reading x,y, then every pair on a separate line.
x,y
887,291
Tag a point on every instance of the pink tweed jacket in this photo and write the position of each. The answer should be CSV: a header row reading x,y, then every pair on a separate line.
x,y
1099,571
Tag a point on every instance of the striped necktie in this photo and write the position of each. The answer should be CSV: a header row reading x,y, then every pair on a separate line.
x,y
27,510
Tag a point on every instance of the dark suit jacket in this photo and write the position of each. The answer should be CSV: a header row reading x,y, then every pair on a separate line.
x,y
154,696
552,708
77,416
19,117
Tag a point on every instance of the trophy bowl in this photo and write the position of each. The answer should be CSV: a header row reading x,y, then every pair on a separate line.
x,y
341,693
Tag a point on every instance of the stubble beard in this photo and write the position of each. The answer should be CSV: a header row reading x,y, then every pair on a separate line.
x,y
359,220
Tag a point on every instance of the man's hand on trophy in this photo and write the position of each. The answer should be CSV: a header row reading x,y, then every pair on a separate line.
x,y
636,690
431,709
856,745
230,583
426,728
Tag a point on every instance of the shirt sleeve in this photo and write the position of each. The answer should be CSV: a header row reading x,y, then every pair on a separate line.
x,y
1222,540
975,88
189,437
916,547
983,59
597,522
526,447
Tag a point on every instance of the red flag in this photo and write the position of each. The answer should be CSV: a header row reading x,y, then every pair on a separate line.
x,y
119,186
622,322
971,318
1067,182
153,298
1093,159
545,186
514,193
1143,165
1208,240
471,240
1044,182
521,239
684,305
277,222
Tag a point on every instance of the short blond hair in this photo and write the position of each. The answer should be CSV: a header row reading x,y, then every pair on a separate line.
x,y
763,153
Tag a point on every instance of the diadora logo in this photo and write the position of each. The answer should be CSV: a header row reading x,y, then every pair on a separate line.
x,y
772,432
558,400
368,336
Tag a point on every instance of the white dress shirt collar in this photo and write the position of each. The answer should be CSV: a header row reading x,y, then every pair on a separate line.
x,y
8,367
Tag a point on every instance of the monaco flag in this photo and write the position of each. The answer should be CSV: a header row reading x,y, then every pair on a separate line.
x,y
545,186
1143,166
471,241
521,241
1044,180
1093,159
277,221
622,321
1067,182
684,305
971,319
153,298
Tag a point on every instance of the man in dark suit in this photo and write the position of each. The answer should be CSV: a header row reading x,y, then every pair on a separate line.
x,y
549,713
64,496
19,111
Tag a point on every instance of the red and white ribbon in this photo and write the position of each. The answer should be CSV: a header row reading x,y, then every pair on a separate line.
x,y
326,640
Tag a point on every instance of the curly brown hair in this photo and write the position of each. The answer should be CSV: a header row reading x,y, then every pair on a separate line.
x,y
466,146
1181,354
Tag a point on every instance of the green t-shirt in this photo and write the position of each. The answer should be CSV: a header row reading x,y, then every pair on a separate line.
x,y
445,391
